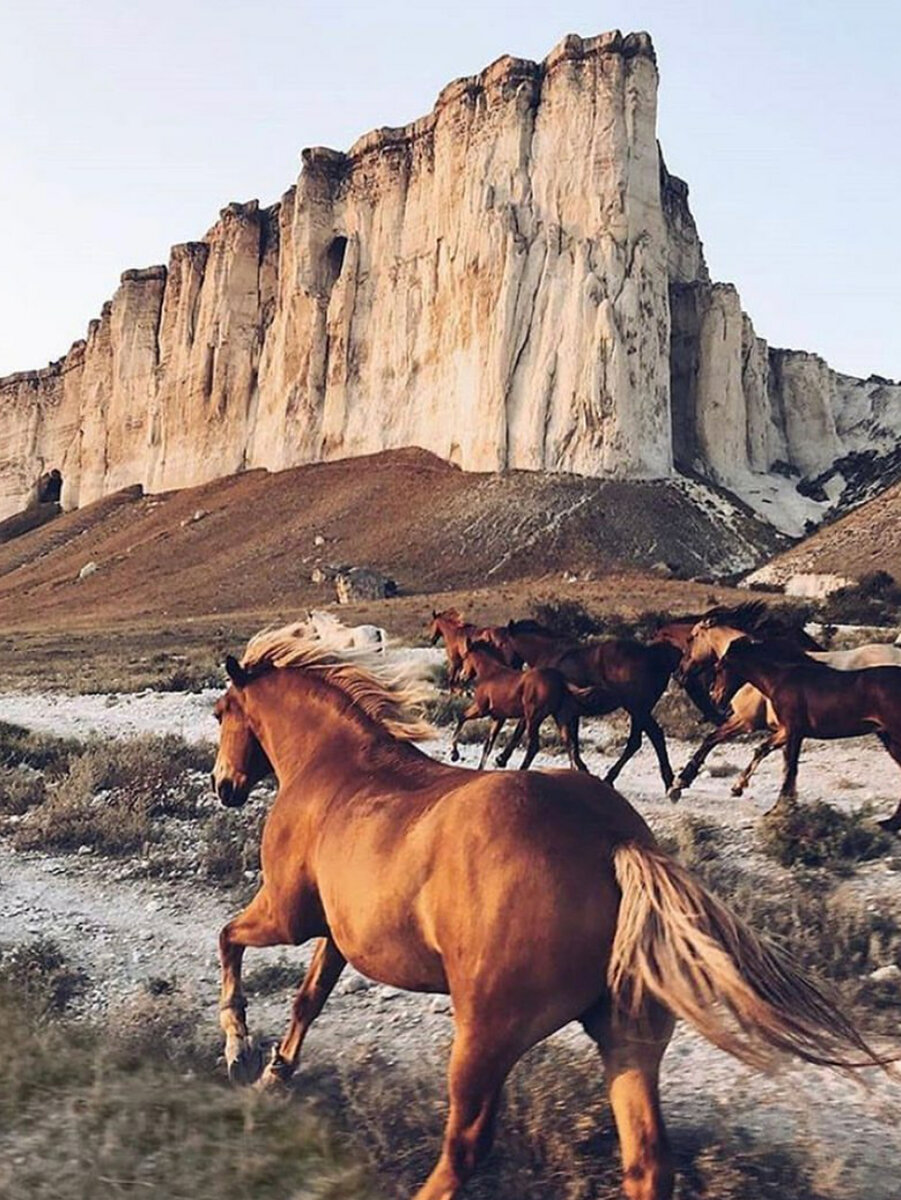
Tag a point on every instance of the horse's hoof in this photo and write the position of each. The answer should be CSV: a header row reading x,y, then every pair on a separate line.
x,y
675,792
737,789
276,1075
244,1059
890,825
455,756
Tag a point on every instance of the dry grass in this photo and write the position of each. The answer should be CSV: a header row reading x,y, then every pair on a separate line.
x,y
112,791
135,1110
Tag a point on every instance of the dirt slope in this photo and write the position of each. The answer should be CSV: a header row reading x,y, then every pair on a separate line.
x,y
425,523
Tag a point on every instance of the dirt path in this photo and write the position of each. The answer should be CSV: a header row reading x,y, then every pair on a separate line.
x,y
124,930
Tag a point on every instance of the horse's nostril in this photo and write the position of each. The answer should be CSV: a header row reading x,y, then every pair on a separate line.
x,y
225,790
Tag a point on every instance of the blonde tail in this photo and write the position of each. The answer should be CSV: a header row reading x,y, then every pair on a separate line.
x,y
680,945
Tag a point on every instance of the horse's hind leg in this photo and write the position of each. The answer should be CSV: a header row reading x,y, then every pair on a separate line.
x,y
632,744
658,741
516,737
891,824
325,970
478,1068
792,750
631,1049
569,736
255,926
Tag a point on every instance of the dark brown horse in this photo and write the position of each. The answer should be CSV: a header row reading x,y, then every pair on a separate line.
x,y
622,673
811,699
529,697
533,898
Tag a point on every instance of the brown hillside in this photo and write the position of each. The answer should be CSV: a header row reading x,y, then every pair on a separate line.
x,y
866,539
428,525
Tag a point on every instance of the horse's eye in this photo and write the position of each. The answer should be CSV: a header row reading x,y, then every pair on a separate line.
x,y
217,715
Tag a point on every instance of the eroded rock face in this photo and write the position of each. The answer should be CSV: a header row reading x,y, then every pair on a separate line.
x,y
514,280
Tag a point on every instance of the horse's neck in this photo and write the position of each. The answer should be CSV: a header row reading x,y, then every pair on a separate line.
x,y
764,675
487,665
535,647
303,730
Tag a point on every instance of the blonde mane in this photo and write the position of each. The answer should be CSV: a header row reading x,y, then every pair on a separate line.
x,y
391,696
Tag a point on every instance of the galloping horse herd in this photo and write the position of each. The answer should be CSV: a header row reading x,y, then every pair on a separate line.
x,y
745,669
532,898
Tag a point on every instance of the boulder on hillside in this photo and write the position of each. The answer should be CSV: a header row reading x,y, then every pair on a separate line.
x,y
363,583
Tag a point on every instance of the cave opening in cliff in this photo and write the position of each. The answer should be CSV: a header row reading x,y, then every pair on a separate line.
x,y
335,259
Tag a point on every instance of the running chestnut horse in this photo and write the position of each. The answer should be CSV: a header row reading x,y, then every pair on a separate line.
x,y
532,898
450,626
621,673
751,711
811,699
528,696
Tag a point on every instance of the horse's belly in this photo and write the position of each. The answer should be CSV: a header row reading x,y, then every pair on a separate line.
x,y
398,958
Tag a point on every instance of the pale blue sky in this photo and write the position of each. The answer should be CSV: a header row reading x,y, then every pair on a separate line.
x,y
125,126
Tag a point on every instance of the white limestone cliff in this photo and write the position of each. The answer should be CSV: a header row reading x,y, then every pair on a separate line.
x,y
513,281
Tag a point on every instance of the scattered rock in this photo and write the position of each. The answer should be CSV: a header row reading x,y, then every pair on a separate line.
x,y
318,540
885,974
88,569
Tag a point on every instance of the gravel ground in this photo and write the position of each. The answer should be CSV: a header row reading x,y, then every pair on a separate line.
x,y
124,930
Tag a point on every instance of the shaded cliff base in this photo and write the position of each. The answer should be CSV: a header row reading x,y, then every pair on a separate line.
x,y
249,543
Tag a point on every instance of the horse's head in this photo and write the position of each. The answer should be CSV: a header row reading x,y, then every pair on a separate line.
x,y
241,761
441,621
699,650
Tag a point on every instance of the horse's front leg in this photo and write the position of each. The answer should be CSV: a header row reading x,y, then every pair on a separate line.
x,y
765,748
688,774
496,726
255,926
325,971
469,714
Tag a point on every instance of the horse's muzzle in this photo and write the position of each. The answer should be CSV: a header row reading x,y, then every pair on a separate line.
x,y
229,793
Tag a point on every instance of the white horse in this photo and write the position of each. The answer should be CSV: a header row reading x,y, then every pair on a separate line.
x,y
337,636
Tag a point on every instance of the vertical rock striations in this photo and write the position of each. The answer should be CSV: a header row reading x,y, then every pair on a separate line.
x,y
515,280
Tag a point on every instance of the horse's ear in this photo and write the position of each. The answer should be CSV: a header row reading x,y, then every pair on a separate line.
x,y
236,672
467,644
510,624
434,614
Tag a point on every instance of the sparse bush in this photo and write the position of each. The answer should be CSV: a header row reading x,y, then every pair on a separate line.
x,y
40,972
874,600
273,977
567,618
21,788
21,747
817,835
445,709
